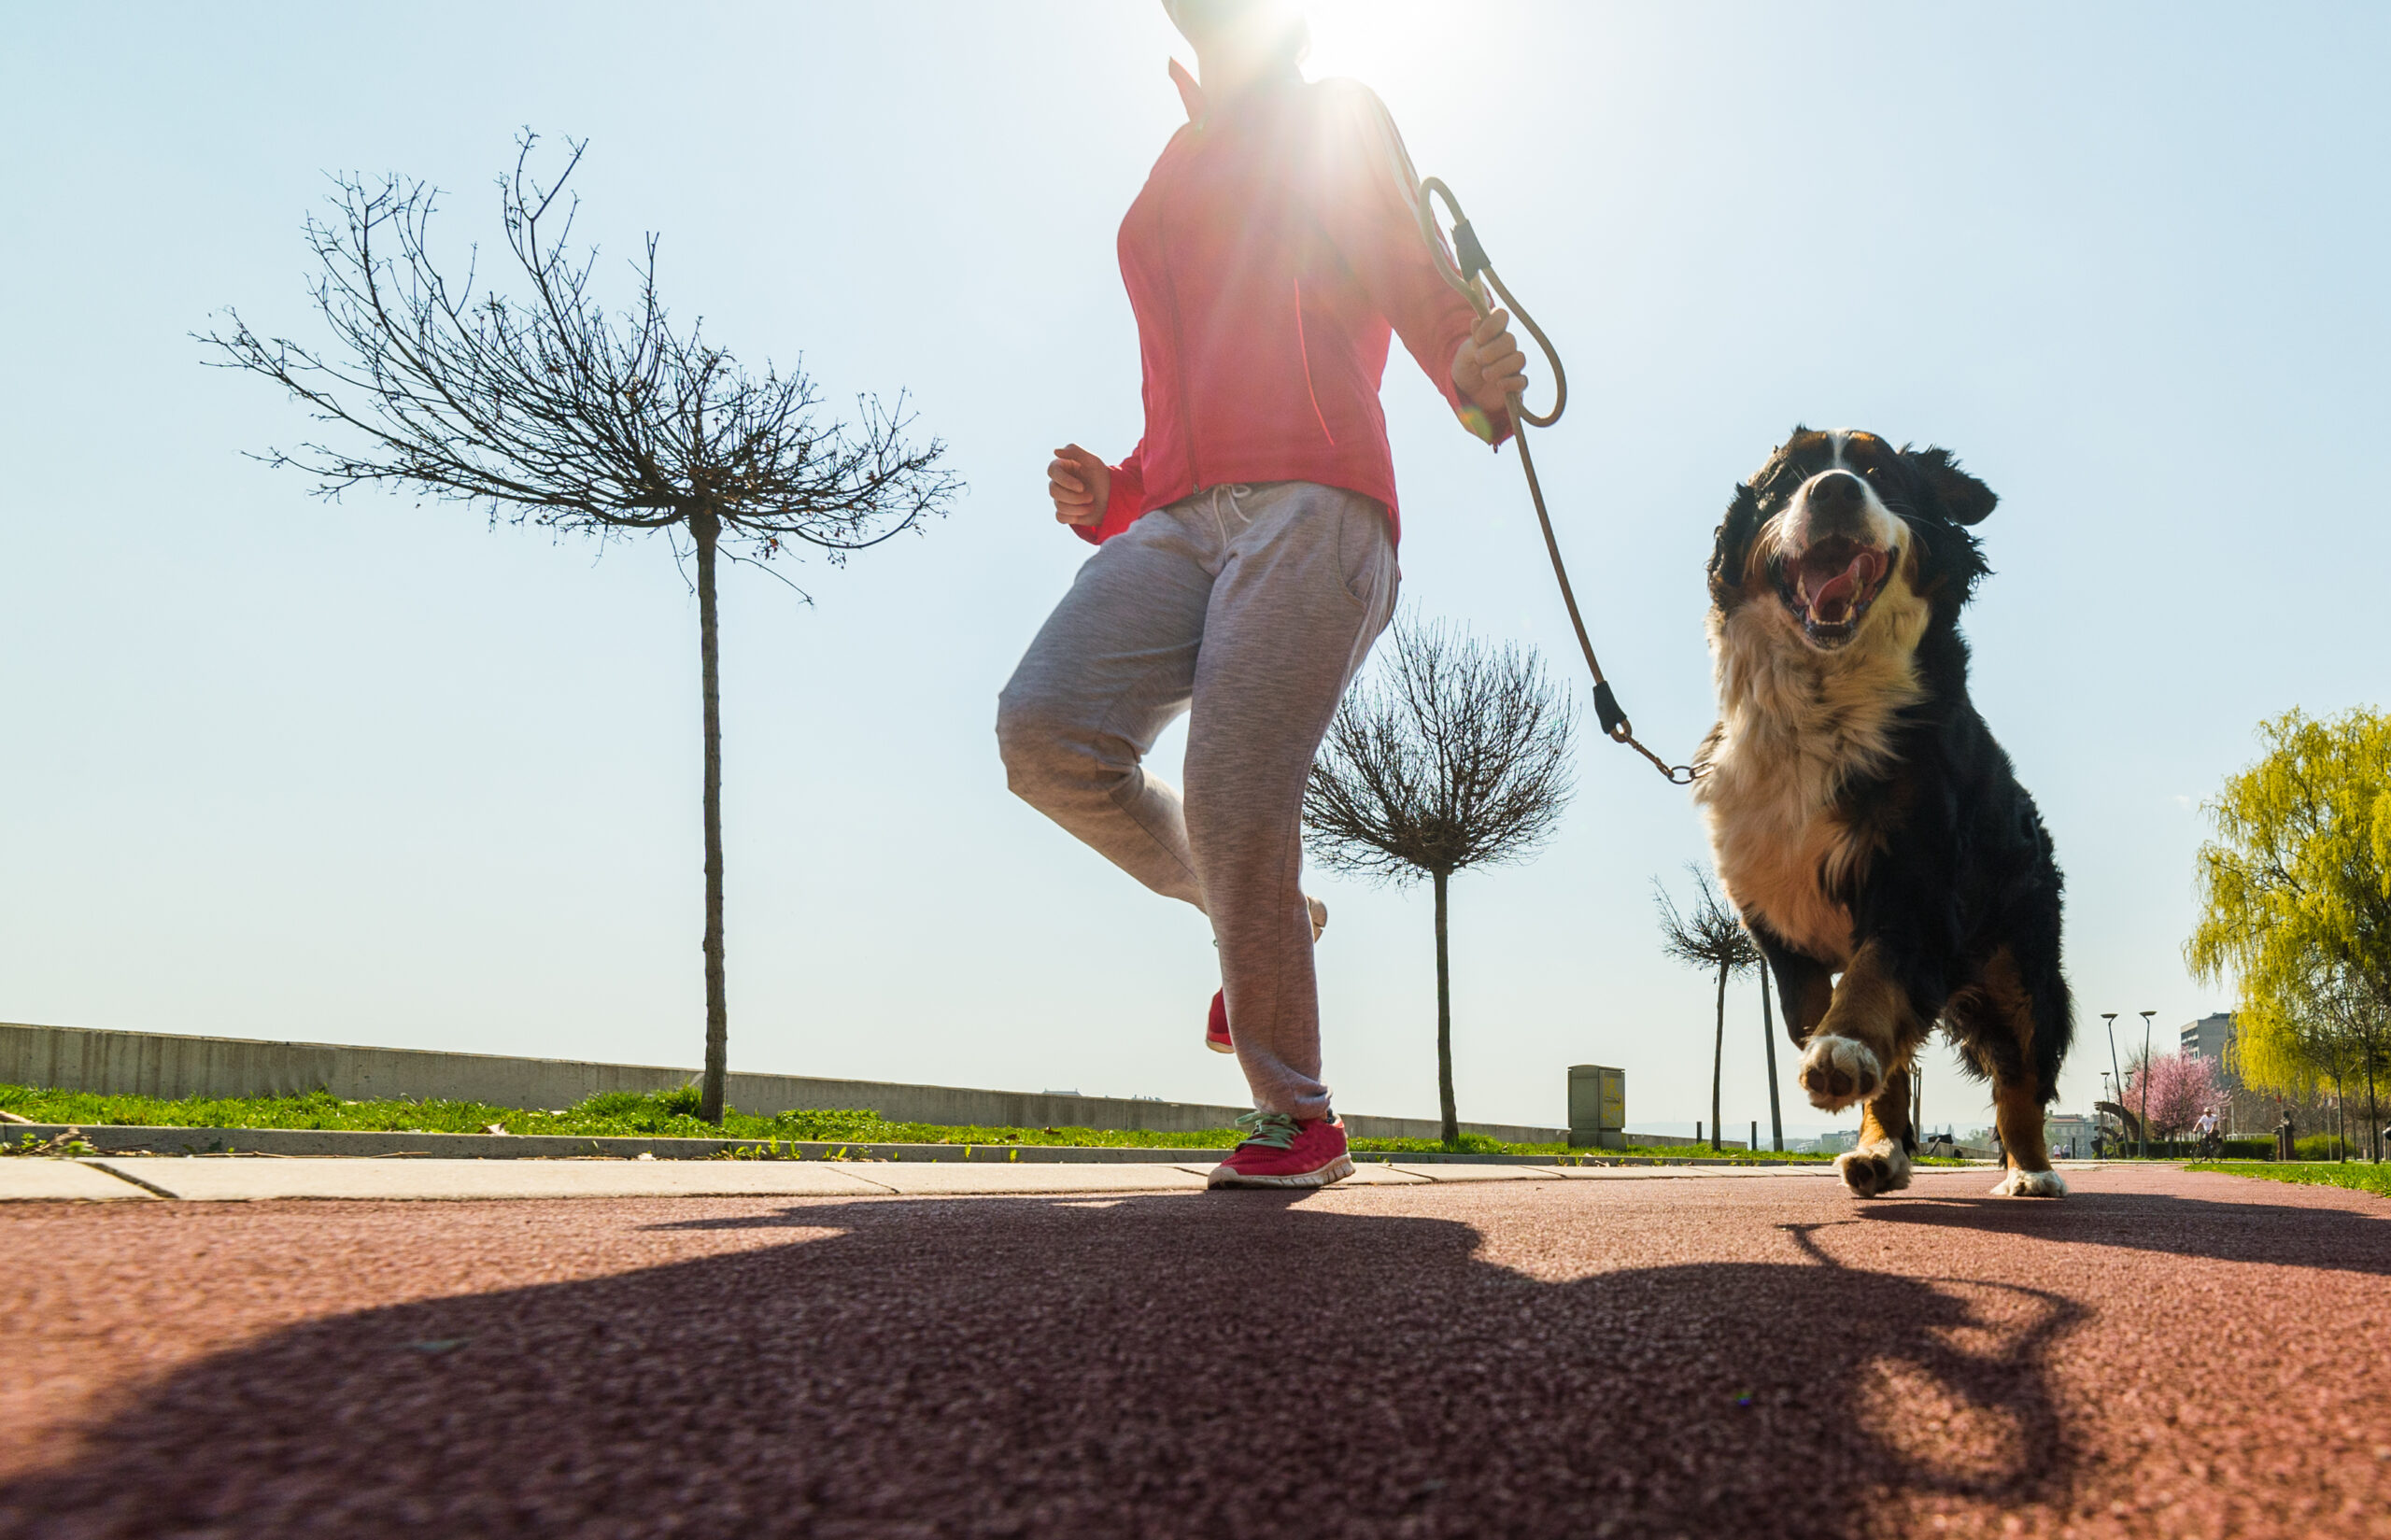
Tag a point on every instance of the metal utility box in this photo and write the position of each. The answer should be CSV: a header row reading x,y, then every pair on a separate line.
x,y
1597,1107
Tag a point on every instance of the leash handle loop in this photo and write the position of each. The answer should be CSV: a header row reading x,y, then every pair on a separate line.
x,y
1470,273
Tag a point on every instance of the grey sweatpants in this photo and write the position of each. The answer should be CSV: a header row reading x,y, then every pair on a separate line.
x,y
1254,605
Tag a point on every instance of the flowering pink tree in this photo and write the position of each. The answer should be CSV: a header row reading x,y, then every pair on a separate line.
x,y
2180,1091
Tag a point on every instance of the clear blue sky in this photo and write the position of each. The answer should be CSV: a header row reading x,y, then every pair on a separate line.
x,y
375,773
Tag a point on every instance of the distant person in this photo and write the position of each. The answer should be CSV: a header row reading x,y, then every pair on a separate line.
x,y
2211,1145
1246,557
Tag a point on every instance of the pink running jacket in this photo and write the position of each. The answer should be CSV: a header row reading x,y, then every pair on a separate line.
x,y
1275,246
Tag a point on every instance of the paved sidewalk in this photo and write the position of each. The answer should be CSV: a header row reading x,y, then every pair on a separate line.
x,y
223,1179
2163,1354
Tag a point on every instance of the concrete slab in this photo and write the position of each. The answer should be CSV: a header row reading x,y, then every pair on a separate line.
x,y
210,1180
41,1179
1456,1171
1371,1173
938,1177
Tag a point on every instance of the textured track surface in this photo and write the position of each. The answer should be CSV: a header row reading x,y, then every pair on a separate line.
x,y
2162,1355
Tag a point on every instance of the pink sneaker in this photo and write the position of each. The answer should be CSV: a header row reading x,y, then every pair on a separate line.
x,y
1279,1151
1216,1026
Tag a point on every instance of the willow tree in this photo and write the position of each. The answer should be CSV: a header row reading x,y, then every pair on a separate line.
x,y
554,411
2295,896
1457,755
1713,938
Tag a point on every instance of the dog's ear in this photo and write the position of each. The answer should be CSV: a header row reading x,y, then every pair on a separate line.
x,y
1731,548
1967,499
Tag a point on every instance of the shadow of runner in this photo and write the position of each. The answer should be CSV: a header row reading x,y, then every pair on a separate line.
x,y
1151,1366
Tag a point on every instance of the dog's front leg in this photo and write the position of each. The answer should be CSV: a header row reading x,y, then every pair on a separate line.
x,y
1879,1163
1866,1035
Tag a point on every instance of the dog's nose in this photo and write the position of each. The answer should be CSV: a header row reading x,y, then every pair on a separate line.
x,y
1837,492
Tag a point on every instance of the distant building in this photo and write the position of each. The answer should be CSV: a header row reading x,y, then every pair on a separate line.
x,y
2208,1039
2069,1135
2248,1112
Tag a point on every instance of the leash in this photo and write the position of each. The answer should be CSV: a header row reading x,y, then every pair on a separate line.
x,y
1467,281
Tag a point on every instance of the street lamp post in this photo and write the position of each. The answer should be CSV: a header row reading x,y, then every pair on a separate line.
x,y
2146,1016
2109,1019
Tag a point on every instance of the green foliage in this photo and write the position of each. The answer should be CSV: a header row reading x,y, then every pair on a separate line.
x,y
672,1114
2364,1177
2295,895
2323,1147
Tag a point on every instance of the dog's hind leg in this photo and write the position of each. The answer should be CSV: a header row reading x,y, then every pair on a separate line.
x,y
2020,1086
1879,1163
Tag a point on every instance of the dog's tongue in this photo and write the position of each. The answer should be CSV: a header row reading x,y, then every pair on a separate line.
x,y
1833,580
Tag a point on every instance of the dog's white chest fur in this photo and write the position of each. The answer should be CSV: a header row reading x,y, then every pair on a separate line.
x,y
1794,726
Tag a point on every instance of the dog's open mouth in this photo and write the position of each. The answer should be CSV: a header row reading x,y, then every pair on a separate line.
x,y
1831,586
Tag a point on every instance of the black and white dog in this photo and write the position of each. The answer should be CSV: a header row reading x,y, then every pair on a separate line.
x,y
1862,818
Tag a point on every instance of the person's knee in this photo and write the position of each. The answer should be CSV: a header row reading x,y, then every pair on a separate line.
x,y
1043,749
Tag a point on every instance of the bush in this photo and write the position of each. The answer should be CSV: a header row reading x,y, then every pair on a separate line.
x,y
2322,1147
2248,1149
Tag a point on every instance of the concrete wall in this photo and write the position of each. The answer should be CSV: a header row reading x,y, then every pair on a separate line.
x,y
1672,1141
162,1064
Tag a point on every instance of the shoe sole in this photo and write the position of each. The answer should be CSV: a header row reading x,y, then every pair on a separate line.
x,y
1336,1170
1219,1047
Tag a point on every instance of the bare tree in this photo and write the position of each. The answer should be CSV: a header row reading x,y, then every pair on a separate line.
x,y
1711,936
551,410
1456,756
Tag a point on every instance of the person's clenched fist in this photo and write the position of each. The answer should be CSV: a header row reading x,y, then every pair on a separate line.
x,y
1080,484
1489,368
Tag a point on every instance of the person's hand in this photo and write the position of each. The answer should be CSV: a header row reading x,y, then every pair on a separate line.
x,y
1080,484
1490,366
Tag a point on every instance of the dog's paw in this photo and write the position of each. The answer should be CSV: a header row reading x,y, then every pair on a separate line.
x,y
2031,1184
1837,1072
1875,1169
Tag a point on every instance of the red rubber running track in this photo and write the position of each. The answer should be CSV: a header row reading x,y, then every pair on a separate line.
x,y
2161,1354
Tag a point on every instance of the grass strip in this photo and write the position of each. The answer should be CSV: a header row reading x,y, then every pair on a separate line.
x,y
672,1114
2363,1177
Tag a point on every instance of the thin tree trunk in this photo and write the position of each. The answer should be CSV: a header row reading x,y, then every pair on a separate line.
x,y
706,530
1445,1023
1719,1058
1768,1051
2374,1113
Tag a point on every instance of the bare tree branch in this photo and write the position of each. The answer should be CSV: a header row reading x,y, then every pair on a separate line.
x,y
1458,756
552,410
1711,936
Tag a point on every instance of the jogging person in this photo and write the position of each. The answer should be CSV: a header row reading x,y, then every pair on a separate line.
x,y
1246,548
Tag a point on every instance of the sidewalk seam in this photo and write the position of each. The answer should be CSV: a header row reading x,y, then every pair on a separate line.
x,y
149,1187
